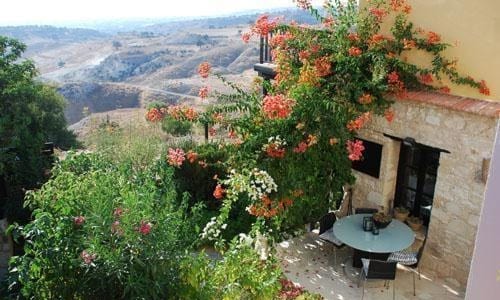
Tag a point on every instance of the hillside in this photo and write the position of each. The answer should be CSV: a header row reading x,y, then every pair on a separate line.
x,y
101,72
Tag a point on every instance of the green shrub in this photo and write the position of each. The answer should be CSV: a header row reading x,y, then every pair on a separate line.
x,y
240,275
104,231
176,127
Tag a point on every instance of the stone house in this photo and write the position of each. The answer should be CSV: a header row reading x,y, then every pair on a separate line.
x,y
433,158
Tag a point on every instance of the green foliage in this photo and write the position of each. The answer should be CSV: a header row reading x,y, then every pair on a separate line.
x,y
32,114
126,257
176,127
240,275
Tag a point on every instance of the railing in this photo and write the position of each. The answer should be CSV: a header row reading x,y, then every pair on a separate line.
x,y
265,49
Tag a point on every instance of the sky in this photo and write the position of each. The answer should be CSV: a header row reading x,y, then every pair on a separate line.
x,y
21,12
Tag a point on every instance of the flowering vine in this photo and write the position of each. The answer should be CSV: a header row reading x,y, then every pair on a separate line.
x,y
331,80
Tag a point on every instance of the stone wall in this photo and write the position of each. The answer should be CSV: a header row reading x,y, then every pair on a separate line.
x,y
459,191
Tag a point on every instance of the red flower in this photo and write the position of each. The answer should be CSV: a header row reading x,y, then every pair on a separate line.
x,y
246,37
204,69
323,66
359,122
203,93
445,90
483,88
304,4
389,115
154,115
304,55
78,221
190,113
145,228
378,13
264,25
408,44
301,148
176,157
232,134
393,77
376,39
433,38
87,257
426,78
280,40
365,99
192,156
353,37
219,192
355,51
277,107
274,151
328,21
355,149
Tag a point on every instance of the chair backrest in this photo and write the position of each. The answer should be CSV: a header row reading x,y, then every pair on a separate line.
x,y
326,222
379,269
365,210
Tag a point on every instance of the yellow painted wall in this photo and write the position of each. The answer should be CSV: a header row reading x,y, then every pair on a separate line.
x,y
475,25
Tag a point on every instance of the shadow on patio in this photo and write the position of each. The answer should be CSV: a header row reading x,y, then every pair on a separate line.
x,y
309,261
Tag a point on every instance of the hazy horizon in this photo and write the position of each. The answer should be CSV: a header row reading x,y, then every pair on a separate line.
x,y
63,12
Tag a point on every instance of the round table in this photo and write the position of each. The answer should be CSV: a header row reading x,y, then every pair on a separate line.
x,y
395,237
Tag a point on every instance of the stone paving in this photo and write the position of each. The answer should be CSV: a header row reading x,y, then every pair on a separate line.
x,y
309,262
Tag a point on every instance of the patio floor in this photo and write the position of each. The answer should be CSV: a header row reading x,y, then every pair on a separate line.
x,y
309,262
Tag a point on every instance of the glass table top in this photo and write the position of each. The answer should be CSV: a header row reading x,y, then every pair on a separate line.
x,y
395,237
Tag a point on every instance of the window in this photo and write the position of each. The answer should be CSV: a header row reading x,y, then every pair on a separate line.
x,y
372,156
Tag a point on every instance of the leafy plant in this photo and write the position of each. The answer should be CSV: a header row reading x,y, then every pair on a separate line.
x,y
104,231
31,114
240,275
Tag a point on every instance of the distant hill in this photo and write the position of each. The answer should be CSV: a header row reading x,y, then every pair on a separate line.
x,y
60,34
298,15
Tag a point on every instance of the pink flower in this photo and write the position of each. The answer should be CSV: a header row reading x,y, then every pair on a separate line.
x,y
212,131
176,157
78,221
301,148
204,69
355,149
277,107
246,37
87,257
203,93
145,228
